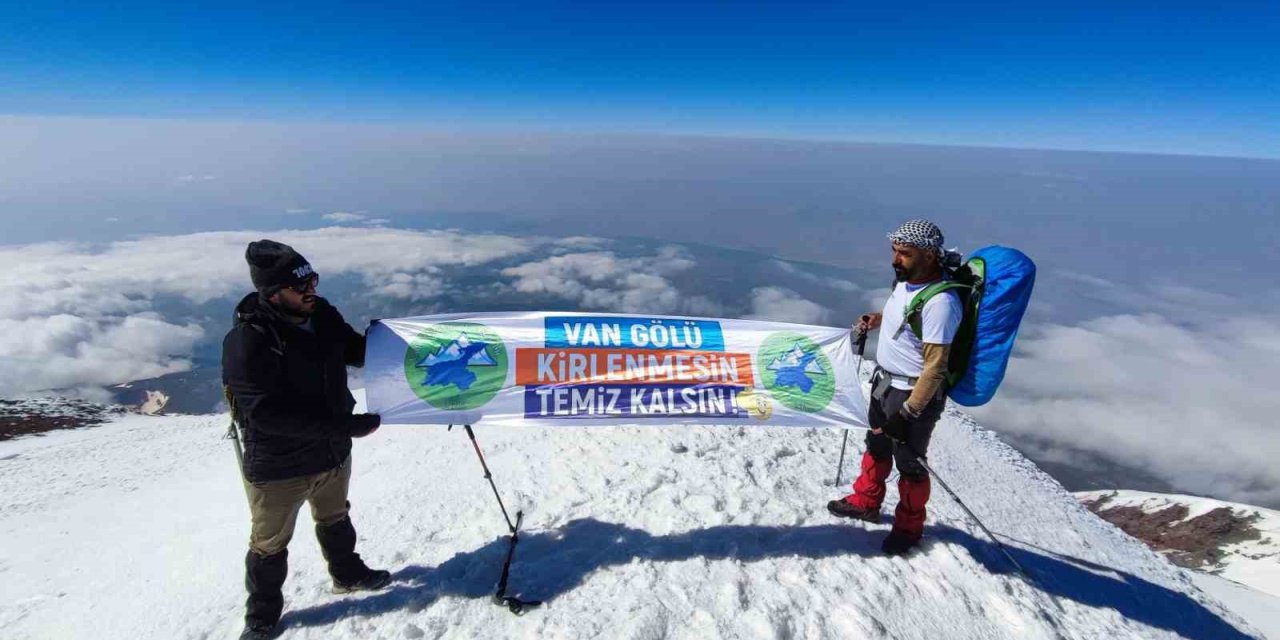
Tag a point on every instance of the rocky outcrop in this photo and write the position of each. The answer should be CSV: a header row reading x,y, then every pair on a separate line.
x,y
33,416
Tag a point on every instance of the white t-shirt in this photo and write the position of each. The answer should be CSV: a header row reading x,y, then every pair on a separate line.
x,y
904,354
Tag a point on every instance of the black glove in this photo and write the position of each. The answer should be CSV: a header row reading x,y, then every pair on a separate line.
x,y
896,426
363,424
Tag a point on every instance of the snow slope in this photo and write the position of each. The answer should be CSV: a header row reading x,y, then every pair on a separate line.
x,y
137,529
1253,562
1238,562
1262,610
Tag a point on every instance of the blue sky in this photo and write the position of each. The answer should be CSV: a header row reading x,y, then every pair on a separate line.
x,y
1163,77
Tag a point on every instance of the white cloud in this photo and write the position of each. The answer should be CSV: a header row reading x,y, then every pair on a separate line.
x,y
66,351
602,280
1184,397
702,306
122,277
834,283
76,314
377,222
342,217
785,305
410,286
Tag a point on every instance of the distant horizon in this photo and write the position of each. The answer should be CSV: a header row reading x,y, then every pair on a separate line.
x,y
544,130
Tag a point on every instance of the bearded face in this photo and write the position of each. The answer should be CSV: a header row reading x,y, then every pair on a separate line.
x,y
298,301
912,264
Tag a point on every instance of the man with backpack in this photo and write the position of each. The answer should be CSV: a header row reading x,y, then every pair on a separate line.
x,y
909,388
284,367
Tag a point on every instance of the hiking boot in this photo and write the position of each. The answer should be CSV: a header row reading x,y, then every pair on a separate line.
x,y
898,543
844,509
264,576
349,572
259,632
372,581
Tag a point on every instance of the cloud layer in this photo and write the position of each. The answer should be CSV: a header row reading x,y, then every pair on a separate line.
x,y
783,305
74,315
78,315
71,352
601,280
341,217
1173,383
1182,395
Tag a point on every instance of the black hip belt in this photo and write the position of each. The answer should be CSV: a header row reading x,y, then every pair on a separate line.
x,y
882,380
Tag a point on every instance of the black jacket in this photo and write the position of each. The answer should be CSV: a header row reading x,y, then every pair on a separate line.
x,y
289,386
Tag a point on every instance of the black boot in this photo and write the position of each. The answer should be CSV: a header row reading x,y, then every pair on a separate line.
x,y
259,633
842,508
899,543
263,578
349,572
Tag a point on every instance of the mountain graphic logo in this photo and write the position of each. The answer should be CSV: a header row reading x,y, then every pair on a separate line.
x,y
456,366
449,365
796,371
794,368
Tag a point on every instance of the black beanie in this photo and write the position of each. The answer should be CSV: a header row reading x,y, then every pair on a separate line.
x,y
273,266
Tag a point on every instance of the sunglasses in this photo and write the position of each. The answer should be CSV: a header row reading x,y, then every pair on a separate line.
x,y
309,284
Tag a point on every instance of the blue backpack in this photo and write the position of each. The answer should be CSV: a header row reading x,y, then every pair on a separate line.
x,y
994,286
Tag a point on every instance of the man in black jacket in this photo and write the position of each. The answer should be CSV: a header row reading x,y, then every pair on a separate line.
x,y
284,365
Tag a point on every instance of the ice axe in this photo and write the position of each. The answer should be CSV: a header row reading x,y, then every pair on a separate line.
x,y
862,345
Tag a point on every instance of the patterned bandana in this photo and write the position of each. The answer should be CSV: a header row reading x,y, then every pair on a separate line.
x,y
919,233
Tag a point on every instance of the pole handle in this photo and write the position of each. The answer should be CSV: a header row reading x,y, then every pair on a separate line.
x,y
861,339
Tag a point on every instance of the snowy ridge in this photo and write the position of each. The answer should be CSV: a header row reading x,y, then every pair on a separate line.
x,y
1252,560
137,529
26,416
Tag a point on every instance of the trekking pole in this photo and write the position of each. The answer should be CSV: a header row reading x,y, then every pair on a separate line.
x,y
919,458
862,344
500,597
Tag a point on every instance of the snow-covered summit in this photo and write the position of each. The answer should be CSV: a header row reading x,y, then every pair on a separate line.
x,y
1235,541
137,529
1233,549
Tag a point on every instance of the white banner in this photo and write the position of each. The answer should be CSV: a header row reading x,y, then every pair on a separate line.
x,y
578,369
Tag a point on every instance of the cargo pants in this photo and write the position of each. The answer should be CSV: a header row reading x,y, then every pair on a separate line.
x,y
274,505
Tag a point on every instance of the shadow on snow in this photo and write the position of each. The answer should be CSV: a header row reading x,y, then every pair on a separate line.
x,y
551,563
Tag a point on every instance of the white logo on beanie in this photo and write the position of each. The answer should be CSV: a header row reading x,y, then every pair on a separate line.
x,y
303,271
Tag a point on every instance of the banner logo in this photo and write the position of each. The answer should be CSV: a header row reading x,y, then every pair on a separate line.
x,y
796,372
456,366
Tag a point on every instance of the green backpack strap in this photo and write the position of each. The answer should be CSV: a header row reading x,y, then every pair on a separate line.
x,y
970,282
915,308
